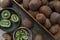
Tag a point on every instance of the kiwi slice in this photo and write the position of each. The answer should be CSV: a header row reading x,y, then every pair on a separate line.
x,y
5,14
5,23
14,18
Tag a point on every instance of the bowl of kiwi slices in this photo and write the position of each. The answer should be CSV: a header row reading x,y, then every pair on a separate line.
x,y
22,33
9,20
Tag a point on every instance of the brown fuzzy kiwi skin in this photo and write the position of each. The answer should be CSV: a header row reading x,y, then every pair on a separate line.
x,y
38,37
41,18
7,36
34,4
46,10
27,23
44,2
26,4
54,17
51,4
54,29
33,13
56,5
5,3
48,24
59,20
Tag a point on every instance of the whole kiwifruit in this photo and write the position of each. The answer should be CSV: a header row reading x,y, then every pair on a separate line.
x,y
54,17
4,3
59,20
51,4
47,24
56,5
33,13
44,2
7,36
38,37
41,18
54,29
46,10
27,23
34,4
26,4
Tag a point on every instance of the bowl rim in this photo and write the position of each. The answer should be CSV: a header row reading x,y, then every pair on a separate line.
x,y
25,29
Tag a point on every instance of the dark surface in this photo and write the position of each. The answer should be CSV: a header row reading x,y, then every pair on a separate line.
x,y
36,28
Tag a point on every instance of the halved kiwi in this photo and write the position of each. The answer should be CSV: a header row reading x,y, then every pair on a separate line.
x,y
5,14
14,18
5,23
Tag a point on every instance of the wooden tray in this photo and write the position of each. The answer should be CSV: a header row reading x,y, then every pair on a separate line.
x,y
36,28
54,36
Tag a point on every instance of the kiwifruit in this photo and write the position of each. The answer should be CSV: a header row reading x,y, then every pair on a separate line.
x,y
38,37
26,4
5,23
56,5
4,3
41,18
59,20
27,23
14,18
47,24
54,29
34,4
7,36
44,2
54,17
51,4
5,14
33,13
46,10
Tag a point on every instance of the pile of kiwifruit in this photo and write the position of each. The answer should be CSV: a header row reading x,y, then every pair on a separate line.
x,y
47,12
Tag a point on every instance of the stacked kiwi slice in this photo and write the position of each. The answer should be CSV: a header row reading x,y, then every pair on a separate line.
x,y
7,18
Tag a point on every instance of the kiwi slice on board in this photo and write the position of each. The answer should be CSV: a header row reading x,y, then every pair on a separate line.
x,y
5,14
5,23
14,18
